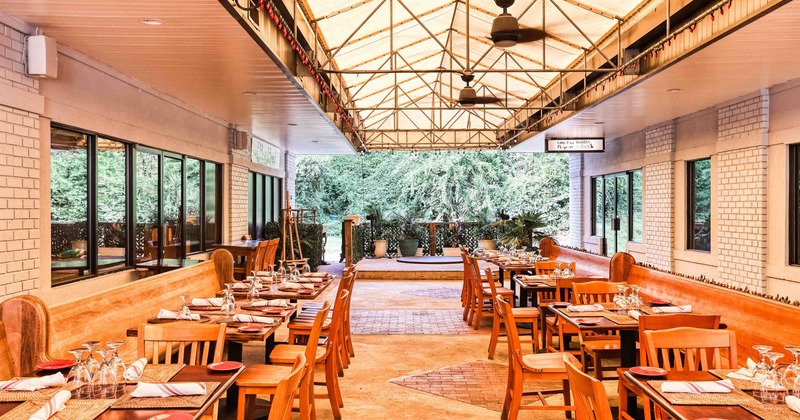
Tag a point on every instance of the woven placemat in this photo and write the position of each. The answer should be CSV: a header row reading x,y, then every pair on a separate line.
x,y
583,314
158,373
39,394
620,319
187,401
735,397
771,411
73,410
742,384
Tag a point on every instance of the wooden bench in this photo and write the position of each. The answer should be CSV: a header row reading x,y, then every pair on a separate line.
x,y
756,320
106,315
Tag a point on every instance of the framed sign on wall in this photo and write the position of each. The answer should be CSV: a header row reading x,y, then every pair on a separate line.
x,y
574,145
265,154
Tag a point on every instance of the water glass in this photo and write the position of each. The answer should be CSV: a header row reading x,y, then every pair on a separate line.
x,y
184,312
791,374
92,365
104,382
116,362
252,293
78,376
773,388
306,266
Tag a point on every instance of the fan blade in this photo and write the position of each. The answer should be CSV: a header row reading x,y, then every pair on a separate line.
x,y
530,34
486,100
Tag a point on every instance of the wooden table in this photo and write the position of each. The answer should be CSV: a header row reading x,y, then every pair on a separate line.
x,y
628,333
271,291
688,412
162,265
244,249
187,374
82,265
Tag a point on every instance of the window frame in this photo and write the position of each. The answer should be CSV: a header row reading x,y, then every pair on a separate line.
x,y
794,204
270,204
630,213
691,204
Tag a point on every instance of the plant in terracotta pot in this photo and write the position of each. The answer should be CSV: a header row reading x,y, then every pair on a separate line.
x,y
410,233
375,217
455,236
519,232
485,231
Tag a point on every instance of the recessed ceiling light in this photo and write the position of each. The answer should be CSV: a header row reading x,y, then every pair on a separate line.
x,y
314,141
673,90
153,22
599,122
292,125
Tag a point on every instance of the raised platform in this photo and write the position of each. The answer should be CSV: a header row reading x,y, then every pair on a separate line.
x,y
426,259
392,269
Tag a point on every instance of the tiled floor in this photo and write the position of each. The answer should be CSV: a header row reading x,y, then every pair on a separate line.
x,y
436,292
409,322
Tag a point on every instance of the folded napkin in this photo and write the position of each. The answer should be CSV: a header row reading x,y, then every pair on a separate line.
x,y
320,275
298,286
585,308
634,314
170,389
32,384
793,403
53,406
263,273
253,318
167,314
698,387
134,370
672,309
240,286
206,301
278,303
746,373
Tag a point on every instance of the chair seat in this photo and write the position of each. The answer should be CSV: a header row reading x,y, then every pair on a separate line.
x,y
263,375
285,354
500,291
602,345
297,324
545,362
525,314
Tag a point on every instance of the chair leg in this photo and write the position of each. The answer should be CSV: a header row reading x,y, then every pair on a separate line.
x,y
291,337
240,412
516,398
598,366
331,383
495,335
623,400
507,399
567,400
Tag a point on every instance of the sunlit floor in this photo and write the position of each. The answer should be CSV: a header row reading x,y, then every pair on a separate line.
x,y
416,358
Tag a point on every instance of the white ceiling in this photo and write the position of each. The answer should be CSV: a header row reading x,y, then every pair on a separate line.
x,y
759,55
200,55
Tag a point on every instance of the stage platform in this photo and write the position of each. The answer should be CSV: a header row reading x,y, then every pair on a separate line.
x,y
391,269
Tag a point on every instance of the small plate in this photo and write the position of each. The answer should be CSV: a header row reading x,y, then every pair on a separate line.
x,y
178,415
55,365
224,366
305,291
273,311
661,302
587,321
558,304
648,371
250,329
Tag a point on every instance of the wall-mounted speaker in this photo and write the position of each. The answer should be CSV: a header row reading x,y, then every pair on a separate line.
x,y
241,140
41,56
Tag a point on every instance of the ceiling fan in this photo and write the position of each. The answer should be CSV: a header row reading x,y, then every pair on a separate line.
x,y
506,31
469,97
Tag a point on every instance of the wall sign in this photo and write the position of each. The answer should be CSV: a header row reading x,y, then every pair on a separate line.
x,y
265,154
574,145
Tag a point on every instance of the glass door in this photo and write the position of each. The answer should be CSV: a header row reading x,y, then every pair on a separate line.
x,y
616,209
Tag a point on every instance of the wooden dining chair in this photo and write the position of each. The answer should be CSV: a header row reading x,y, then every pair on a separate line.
x,y
310,307
522,315
196,344
557,327
272,252
547,267
481,303
531,367
657,322
261,256
466,285
26,320
596,346
620,267
591,400
223,264
281,405
7,368
325,357
691,349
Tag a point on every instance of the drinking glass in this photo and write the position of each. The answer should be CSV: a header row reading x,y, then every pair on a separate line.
x,y
281,269
91,363
621,300
773,389
791,374
104,381
228,306
184,312
256,280
566,272
306,266
78,376
557,272
635,301
116,362
252,293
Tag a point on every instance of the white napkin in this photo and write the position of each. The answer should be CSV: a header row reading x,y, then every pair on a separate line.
x,y
167,314
585,308
253,318
793,403
134,370
672,309
298,286
302,279
698,387
745,373
206,301
317,274
634,314
169,389
278,303
53,406
32,384
240,286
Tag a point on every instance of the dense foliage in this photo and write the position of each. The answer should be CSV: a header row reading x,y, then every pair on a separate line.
x,y
437,186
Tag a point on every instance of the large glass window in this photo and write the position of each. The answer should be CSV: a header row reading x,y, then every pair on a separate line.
x,y
699,200
794,204
264,202
147,209
193,211
112,207
212,187
617,212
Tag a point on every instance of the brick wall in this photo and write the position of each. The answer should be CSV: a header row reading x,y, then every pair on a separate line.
x,y
659,196
239,176
291,175
742,194
576,199
20,240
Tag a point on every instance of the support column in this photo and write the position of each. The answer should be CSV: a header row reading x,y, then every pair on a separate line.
x,y
239,175
291,175
576,215
659,195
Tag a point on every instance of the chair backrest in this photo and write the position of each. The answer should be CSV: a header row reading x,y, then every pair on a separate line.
x,y
313,335
272,252
261,254
687,348
338,317
547,267
620,267
492,286
503,308
564,287
7,367
199,339
546,246
27,326
591,400
281,406
667,321
594,292
223,264
475,276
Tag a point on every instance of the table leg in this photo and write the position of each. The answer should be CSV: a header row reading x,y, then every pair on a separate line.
x,y
269,345
523,297
542,327
235,354
501,275
627,344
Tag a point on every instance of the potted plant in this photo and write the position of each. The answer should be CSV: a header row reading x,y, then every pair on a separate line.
x,y
375,218
455,236
410,233
519,232
485,230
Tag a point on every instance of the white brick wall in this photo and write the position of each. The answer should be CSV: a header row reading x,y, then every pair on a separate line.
x,y
660,140
576,200
659,197
20,241
239,196
743,118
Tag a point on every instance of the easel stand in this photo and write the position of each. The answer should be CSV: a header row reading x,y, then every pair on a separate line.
x,y
291,233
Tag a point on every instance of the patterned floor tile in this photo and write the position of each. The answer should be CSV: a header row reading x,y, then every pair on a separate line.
x,y
439,293
410,322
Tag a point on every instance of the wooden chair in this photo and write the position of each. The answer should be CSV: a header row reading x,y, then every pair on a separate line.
x,y
658,322
309,307
281,406
691,349
7,368
522,315
272,252
261,256
547,267
200,340
223,263
596,346
481,303
26,320
466,286
325,357
591,401
620,267
536,367
555,326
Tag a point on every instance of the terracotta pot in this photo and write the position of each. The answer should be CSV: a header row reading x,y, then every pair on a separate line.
x,y
380,248
451,252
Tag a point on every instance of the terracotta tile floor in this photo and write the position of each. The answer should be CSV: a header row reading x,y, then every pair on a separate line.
x,y
477,383
438,292
408,322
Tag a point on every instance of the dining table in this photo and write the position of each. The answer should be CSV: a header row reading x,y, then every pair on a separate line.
x,y
245,249
109,409
739,404
278,291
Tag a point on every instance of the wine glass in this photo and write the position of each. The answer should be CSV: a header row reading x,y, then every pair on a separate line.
x,y
78,376
791,374
773,390
184,312
256,279
281,269
621,300
635,301
116,362
566,272
105,380
252,293
557,272
91,363
228,306
306,266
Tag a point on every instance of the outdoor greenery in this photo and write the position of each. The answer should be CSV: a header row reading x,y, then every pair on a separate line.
x,y
436,186
310,242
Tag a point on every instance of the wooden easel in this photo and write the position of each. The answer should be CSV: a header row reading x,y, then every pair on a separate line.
x,y
290,232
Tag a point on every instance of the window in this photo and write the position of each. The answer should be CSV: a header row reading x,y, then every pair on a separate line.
x,y
617,209
111,201
699,205
264,203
